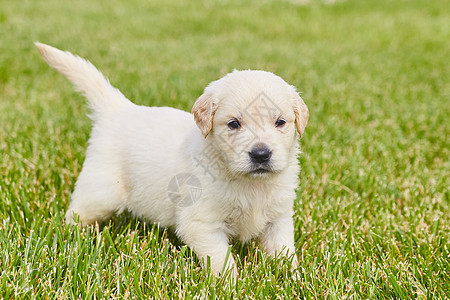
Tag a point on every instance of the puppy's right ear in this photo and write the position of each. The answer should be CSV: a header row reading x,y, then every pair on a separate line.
x,y
203,110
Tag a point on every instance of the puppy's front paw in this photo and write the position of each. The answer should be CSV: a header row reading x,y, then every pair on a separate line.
x,y
222,265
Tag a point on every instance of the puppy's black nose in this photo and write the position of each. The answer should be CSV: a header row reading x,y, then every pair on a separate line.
x,y
260,154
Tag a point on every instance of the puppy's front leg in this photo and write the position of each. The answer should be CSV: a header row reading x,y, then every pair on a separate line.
x,y
278,238
208,242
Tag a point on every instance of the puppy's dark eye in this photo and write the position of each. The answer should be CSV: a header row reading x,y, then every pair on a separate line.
x,y
280,123
234,124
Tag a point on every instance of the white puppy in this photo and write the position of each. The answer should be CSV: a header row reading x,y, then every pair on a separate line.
x,y
227,171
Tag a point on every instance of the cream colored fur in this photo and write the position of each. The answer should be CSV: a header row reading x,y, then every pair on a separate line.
x,y
135,152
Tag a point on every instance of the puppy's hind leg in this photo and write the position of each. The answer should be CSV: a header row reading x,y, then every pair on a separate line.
x,y
96,197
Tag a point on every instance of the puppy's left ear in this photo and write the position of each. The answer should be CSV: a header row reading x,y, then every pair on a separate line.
x,y
203,110
301,113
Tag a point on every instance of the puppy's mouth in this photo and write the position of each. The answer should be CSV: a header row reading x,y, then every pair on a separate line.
x,y
261,171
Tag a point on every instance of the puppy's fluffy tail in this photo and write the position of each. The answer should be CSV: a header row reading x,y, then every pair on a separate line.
x,y
102,96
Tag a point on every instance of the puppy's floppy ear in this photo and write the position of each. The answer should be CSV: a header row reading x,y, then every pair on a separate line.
x,y
203,110
301,113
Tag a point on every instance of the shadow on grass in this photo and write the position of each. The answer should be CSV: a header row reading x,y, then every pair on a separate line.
x,y
125,223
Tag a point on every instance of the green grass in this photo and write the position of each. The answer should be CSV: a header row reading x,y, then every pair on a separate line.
x,y
372,217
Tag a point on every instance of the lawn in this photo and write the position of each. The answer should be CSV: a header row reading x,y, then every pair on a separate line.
x,y
372,216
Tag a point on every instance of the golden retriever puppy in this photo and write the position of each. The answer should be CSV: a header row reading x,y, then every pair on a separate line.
x,y
227,171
